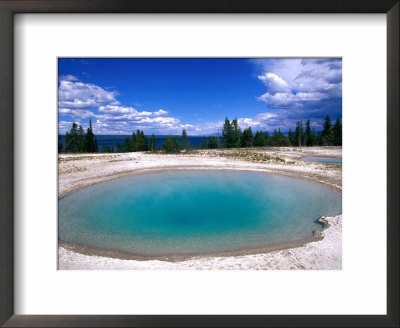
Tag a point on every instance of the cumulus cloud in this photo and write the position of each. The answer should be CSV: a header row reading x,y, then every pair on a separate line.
x,y
291,100
269,121
121,111
294,89
274,83
76,113
140,119
300,89
79,101
290,82
160,112
248,122
106,125
78,95
186,126
265,122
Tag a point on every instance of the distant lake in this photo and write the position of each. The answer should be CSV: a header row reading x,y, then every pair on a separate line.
x,y
112,140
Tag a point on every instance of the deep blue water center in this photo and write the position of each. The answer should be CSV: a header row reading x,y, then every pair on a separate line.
x,y
194,212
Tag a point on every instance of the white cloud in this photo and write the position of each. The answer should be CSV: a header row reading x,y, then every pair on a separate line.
x,y
294,89
274,83
292,82
290,99
159,121
78,104
117,110
75,94
248,122
160,112
78,100
263,122
186,126
284,119
76,113
267,116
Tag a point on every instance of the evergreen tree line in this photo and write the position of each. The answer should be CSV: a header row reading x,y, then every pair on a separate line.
x,y
210,143
233,137
79,141
138,142
172,145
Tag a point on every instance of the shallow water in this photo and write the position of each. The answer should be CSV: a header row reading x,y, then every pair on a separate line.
x,y
194,212
326,160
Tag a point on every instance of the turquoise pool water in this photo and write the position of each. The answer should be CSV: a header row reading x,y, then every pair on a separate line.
x,y
194,212
326,160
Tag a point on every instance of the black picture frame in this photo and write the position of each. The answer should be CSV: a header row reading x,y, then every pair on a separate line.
x,y
10,7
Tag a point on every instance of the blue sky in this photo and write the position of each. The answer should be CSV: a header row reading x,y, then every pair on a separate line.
x,y
163,96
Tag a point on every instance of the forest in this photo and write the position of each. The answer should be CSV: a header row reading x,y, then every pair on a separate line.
x,y
77,140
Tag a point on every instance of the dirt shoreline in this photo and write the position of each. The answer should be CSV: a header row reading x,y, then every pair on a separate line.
x,y
78,171
92,251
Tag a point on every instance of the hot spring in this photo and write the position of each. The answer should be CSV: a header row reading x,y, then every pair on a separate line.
x,y
194,212
325,160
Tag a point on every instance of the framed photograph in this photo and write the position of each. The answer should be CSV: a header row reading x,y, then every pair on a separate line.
x,y
206,164
183,186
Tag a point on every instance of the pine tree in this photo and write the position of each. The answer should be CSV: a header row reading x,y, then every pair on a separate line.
x,y
153,143
278,139
267,138
134,141
292,138
171,145
71,139
90,142
168,145
128,145
259,139
212,142
144,141
337,133
307,137
204,144
247,138
314,137
67,141
327,133
184,140
227,134
139,143
176,144
299,133
81,140
236,133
